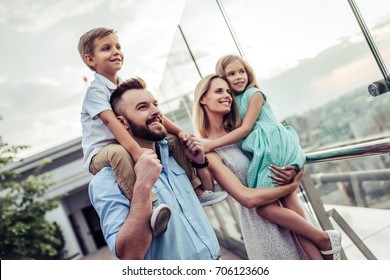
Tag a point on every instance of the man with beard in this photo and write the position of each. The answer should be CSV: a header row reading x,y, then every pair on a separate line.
x,y
125,223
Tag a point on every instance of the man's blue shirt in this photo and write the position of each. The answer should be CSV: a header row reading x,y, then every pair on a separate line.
x,y
189,235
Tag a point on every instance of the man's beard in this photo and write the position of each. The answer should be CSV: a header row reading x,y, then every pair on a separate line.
x,y
143,132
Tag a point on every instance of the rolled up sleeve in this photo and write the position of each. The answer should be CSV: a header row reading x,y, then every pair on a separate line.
x,y
110,204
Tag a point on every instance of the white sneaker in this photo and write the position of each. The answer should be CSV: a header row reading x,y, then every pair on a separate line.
x,y
159,219
209,198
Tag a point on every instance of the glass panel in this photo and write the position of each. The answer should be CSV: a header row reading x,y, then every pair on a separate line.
x,y
314,64
376,15
312,59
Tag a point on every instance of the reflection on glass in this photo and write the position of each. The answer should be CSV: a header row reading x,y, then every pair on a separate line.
x,y
310,58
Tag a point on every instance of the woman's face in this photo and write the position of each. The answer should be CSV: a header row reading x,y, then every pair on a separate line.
x,y
236,75
218,98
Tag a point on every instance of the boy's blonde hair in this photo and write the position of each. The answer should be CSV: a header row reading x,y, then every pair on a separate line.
x,y
87,41
231,120
224,61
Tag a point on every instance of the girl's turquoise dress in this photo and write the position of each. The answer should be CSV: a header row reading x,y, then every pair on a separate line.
x,y
269,142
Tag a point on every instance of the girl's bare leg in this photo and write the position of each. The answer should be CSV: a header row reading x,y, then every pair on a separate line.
x,y
312,239
312,251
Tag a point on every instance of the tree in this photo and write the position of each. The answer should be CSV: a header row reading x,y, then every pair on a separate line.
x,y
24,231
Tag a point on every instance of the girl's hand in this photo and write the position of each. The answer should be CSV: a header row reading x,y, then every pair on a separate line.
x,y
282,175
207,147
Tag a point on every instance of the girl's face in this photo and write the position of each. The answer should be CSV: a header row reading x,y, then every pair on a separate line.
x,y
236,75
218,98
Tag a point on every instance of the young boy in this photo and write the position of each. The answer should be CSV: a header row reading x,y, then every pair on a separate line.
x,y
105,141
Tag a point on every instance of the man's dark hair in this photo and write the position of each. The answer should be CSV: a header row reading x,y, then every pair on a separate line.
x,y
132,83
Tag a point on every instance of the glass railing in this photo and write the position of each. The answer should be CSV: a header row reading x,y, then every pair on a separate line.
x,y
339,192
313,62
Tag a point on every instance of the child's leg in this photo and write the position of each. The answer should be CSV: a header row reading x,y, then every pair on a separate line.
x,y
291,220
119,159
312,251
122,164
183,161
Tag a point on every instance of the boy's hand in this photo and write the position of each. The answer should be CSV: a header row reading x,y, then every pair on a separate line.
x,y
182,136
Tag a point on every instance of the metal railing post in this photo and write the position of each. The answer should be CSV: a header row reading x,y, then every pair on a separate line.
x,y
381,86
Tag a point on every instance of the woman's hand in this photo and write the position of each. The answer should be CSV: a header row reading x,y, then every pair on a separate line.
x,y
282,175
297,179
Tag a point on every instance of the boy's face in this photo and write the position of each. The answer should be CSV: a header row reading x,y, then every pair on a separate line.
x,y
107,57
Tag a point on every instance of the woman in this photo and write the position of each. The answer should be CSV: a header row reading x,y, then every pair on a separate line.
x,y
215,115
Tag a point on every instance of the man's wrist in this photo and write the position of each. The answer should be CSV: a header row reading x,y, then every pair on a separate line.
x,y
200,165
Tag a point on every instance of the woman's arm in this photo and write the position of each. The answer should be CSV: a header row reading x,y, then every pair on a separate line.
x,y
121,134
247,197
254,109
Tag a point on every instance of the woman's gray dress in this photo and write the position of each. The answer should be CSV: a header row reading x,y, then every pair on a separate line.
x,y
263,240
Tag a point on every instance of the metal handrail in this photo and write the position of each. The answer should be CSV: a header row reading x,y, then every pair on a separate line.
x,y
371,148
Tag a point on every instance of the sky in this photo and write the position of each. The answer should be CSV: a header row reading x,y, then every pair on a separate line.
x,y
41,72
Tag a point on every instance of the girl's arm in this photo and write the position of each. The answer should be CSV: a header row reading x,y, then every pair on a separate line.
x,y
247,197
254,109
121,134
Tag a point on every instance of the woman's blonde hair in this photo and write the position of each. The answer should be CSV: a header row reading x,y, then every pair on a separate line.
x,y
231,120
224,61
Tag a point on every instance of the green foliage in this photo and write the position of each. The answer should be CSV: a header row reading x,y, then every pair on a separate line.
x,y
24,231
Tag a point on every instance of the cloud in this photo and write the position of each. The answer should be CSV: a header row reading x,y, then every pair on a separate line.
x,y
330,74
34,16
41,74
40,113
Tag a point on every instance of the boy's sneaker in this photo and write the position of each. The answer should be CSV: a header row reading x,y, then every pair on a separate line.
x,y
209,198
159,219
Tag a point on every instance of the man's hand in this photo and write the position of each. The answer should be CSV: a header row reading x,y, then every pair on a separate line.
x,y
283,175
148,168
194,149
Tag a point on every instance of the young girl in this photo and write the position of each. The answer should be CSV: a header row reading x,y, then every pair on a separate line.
x,y
270,143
